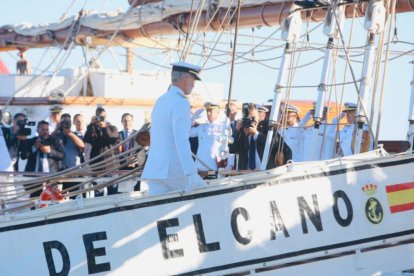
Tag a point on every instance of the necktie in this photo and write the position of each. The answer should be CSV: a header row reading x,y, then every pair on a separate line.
x,y
252,154
40,160
127,143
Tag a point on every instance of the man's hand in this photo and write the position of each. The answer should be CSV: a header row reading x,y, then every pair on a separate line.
x,y
45,149
252,130
37,144
67,131
239,124
311,113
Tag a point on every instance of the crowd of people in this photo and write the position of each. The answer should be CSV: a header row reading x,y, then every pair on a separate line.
x,y
184,141
62,142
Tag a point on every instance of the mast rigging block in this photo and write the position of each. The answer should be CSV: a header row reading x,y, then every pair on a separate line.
x,y
291,28
331,28
375,17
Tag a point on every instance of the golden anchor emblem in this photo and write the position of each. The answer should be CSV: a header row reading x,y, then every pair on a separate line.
x,y
373,210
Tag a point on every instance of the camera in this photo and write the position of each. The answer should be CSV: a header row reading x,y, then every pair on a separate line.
x,y
23,130
246,120
100,118
245,110
65,124
45,142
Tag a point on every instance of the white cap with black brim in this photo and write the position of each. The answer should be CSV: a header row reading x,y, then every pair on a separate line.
x,y
192,69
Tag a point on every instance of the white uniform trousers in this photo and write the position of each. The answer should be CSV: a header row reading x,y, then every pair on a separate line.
x,y
161,186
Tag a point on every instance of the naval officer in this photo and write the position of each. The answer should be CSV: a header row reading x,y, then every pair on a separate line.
x,y
291,132
347,133
324,146
208,139
170,165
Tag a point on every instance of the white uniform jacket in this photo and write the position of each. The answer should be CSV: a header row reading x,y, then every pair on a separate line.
x,y
292,136
324,146
346,136
169,156
345,139
208,144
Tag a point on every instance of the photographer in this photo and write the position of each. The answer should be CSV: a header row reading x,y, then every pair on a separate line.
x,y
249,143
15,138
43,152
72,144
102,136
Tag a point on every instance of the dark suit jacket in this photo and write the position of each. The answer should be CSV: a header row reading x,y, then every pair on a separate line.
x,y
101,139
131,142
54,157
241,146
13,145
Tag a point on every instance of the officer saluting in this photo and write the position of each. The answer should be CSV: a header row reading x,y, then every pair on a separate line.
x,y
208,138
347,134
170,165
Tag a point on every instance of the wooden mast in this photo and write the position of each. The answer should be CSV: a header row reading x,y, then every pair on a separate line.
x,y
130,60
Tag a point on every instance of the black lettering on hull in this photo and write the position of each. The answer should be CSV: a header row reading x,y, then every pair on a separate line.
x,y
234,227
344,222
277,221
92,252
203,246
57,245
165,239
314,216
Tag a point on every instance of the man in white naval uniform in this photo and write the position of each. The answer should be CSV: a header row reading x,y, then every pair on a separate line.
x,y
347,132
291,132
208,135
346,135
54,117
324,146
170,166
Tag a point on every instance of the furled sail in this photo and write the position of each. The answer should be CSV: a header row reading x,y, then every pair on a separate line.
x,y
163,17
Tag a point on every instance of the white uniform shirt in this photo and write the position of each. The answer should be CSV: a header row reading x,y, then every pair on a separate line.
x,y
346,136
52,124
314,148
208,144
345,139
292,136
169,156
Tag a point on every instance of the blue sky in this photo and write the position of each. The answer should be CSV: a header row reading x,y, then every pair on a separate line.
x,y
253,81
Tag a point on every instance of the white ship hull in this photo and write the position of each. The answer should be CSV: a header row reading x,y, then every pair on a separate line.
x,y
302,219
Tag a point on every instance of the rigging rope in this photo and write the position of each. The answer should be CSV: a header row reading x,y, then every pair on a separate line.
x,y
233,58
337,137
188,40
352,73
221,33
384,75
